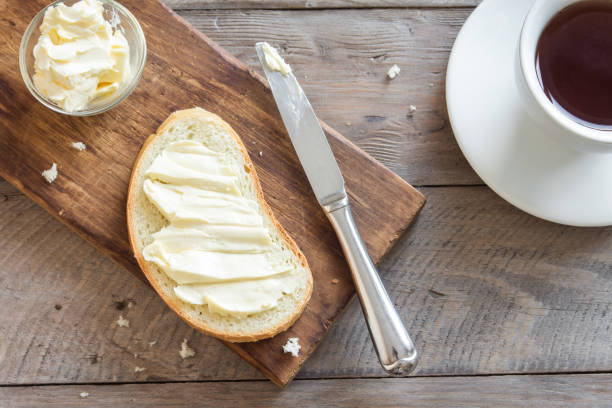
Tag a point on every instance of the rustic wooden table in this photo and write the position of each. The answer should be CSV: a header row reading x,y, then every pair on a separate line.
x,y
507,310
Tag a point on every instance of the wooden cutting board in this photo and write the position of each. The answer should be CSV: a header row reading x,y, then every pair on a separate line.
x,y
186,69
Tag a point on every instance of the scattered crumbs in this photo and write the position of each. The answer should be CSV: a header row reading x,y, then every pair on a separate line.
x,y
84,395
61,212
139,369
348,123
58,307
335,281
393,72
254,142
292,346
121,322
306,77
260,154
130,304
80,146
412,109
135,355
51,174
152,343
431,85
186,351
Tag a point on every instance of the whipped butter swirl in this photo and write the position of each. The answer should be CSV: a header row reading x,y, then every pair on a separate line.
x,y
216,247
78,56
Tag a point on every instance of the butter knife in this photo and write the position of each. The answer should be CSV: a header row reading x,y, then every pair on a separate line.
x,y
393,345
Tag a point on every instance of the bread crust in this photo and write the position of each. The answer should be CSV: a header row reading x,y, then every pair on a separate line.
x,y
146,266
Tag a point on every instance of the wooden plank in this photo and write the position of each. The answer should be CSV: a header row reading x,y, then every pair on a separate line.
x,y
483,288
90,192
313,4
342,68
588,391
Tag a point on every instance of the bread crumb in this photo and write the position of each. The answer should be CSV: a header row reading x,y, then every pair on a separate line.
x,y
84,395
431,85
80,146
186,351
135,355
412,109
348,123
260,154
50,174
139,369
335,281
292,346
393,72
152,343
121,322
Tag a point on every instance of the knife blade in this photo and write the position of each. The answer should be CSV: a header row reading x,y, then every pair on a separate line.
x,y
306,134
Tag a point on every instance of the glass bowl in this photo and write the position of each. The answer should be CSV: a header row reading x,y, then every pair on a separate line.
x,y
120,18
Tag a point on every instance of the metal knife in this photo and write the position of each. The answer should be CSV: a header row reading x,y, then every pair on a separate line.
x,y
393,345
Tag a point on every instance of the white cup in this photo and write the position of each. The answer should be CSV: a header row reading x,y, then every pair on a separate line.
x,y
539,107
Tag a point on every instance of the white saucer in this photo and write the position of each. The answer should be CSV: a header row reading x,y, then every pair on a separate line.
x,y
507,149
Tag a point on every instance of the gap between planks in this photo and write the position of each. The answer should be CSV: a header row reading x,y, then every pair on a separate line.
x,y
311,379
7,191
178,5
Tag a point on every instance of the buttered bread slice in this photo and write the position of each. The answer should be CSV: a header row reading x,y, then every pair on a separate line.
x,y
205,237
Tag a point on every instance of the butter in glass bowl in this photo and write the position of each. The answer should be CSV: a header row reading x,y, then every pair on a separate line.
x,y
82,57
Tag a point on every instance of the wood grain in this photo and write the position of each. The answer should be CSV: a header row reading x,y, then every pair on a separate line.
x,y
342,68
586,391
313,4
484,288
89,194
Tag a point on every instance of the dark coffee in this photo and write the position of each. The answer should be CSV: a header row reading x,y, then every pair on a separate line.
x,y
574,62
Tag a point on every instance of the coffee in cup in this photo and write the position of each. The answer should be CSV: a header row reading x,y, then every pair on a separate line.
x,y
564,71
574,62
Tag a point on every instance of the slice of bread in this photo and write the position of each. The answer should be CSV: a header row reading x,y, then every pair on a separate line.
x,y
144,219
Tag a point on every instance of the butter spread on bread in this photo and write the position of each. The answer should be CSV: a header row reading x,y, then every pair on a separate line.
x,y
216,247
232,231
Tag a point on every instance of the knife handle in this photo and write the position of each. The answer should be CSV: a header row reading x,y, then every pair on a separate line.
x,y
393,345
